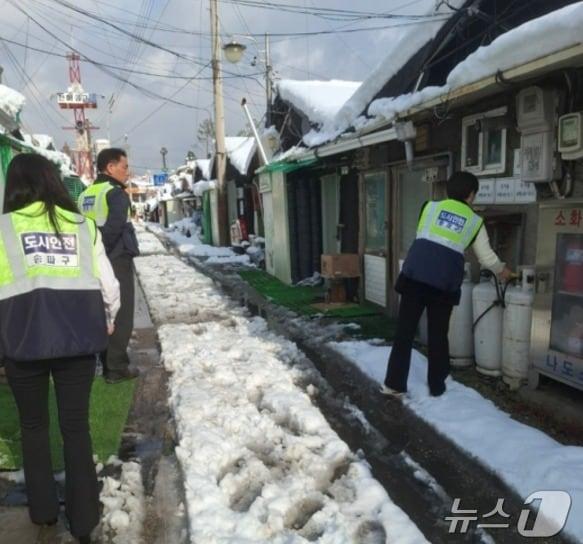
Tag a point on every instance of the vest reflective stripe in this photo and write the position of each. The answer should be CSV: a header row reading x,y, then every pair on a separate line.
x,y
25,278
93,202
449,223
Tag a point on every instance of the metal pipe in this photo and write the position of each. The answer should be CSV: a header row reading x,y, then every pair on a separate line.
x,y
255,133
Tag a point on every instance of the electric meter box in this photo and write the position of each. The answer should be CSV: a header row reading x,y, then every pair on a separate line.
x,y
535,109
535,117
537,157
571,136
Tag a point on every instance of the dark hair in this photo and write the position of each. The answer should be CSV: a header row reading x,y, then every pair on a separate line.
x,y
461,185
33,178
111,154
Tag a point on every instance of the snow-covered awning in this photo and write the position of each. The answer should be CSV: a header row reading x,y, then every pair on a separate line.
x,y
240,151
319,101
11,103
204,166
200,187
39,140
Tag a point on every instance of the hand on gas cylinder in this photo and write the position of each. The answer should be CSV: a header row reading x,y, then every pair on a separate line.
x,y
507,274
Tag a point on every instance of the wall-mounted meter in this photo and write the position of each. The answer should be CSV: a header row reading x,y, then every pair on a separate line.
x,y
535,109
571,136
535,118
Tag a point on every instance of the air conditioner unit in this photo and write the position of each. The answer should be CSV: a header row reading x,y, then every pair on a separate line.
x,y
571,136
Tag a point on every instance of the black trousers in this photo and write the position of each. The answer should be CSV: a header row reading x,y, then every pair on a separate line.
x,y
116,357
438,314
73,378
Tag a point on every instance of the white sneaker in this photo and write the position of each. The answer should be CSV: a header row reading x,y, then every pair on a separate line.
x,y
389,392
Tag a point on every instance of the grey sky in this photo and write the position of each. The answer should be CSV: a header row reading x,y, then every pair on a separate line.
x,y
340,56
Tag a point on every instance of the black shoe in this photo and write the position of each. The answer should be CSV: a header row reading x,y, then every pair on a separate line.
x,y
49,523
117,376
437,392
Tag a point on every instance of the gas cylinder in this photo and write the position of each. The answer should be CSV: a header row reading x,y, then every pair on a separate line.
x,y
488,331
517,320
573,268
461,342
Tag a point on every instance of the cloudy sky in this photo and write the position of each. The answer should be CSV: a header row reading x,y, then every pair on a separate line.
x,y
182,28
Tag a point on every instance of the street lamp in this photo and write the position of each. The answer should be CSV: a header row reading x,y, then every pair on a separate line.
x,y
234,51
164,152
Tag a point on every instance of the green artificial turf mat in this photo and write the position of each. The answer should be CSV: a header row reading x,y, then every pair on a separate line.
x,y
301,299
110,405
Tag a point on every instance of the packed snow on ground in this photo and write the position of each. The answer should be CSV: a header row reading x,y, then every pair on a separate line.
x,y
11,101
319,101
240,151
123,505
149,244
179,295
525,458
552,32
261,463
192,246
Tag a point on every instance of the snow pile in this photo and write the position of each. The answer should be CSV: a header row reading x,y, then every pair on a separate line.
x,y
240,152
11,101
319,101
525,458
404,43
123,506
261,463
149,244
552,32
175,293
201,187
192,246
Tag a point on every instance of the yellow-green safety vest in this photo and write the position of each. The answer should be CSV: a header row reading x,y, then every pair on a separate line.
x,y
50,294
92,202
449,223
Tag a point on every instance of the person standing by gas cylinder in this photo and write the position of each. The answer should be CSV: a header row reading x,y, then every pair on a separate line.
x,y
58,301
431,279
108,204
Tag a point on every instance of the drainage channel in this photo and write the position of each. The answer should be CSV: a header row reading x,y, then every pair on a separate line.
x,y
421,470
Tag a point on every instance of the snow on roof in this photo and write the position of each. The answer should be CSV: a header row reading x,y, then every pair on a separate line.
x,y
319,101
200,187
240,151
39,140
402,44
551,33
11,101
205,167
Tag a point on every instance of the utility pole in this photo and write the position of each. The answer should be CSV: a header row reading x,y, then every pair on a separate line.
x,y
221,159
268,74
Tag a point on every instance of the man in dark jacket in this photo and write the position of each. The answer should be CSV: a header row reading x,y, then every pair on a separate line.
x,y
108,204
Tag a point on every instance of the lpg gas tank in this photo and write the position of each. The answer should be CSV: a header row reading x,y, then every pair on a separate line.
x,y
488,330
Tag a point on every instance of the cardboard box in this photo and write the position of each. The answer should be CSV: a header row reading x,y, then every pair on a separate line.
x,y
341,265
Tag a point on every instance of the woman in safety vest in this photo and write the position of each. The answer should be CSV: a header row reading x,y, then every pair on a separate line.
x,y
58,300
431,278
